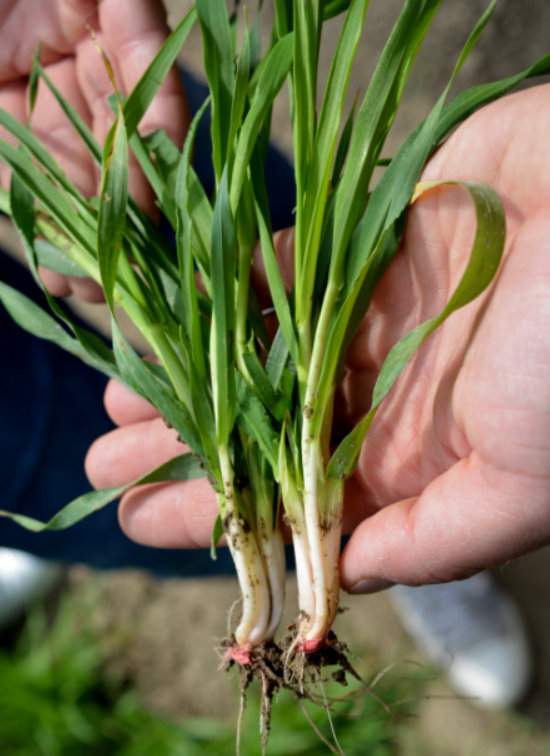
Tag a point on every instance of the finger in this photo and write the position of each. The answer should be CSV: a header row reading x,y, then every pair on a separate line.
x,y
64,286
12,99
182,515
124,406
357,504
86,289
471,517
135,30
55,283
75,19
55,24
174,515
128,453
53,128
97,88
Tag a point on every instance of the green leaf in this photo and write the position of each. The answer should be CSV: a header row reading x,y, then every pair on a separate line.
x,y
200,210
283,17
343,146
272,400
217,533
84,132
192,318
467,102
113,204
165,156
34,80
258,424
53,258
240,98
276,285
145,90
319,172
306,38
277,359
142,232
482,266
5,206
374,119
23,215
385,207
270,75
153,176
393,193
57,203
26,138
223,260
142,378
218,51
333,8
184,467
184,245
35,320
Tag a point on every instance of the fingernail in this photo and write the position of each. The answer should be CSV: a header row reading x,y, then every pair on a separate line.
x,y
370,585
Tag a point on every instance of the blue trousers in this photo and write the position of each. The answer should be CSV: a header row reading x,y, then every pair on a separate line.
x,y
51,410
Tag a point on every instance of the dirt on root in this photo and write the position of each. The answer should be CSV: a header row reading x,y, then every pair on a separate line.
x,y
277,667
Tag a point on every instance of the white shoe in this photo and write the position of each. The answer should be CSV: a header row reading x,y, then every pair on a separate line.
x,y
23,580
475,633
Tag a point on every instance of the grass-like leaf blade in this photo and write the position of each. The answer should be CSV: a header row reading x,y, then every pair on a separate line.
x,y
218,50
184,467
271,74
113,204
36,321
53,258
145,90
140,376
224,260
481,268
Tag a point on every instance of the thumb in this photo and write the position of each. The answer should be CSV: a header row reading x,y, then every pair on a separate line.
x,y
471,517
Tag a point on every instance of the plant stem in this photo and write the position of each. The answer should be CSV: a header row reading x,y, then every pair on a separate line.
x,y
317,358
322,502
273,552
253,582
269,537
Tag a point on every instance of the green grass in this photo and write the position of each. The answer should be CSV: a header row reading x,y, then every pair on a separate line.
x,y
58,698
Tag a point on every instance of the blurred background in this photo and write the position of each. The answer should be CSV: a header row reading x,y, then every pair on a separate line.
x,y
127,657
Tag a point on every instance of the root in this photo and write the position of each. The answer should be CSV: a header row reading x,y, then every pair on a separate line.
x,y
285,667
305,667
262,663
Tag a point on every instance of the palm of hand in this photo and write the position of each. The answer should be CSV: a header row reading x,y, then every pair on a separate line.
x,y
452,476
69,31
57,25
463,442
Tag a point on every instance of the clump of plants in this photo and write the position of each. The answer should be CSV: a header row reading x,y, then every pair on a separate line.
x,y
255,407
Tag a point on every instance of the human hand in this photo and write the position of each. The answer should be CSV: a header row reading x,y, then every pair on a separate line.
x,y
131,32
453,475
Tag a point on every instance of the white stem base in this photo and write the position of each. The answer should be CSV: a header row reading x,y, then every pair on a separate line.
x,y
318,575
273,552
253,582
